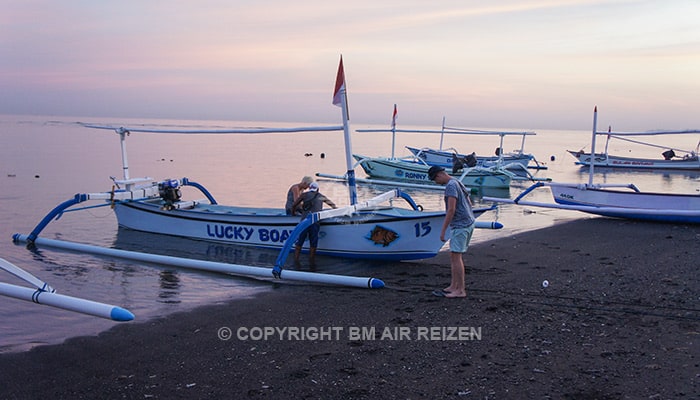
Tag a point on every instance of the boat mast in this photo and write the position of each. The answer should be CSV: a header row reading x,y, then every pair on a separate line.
x,y
607,141
595,123
125,164
442,132
393,132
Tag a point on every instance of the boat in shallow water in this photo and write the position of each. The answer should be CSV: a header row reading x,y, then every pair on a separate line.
x,y
668,159
406,170
616,200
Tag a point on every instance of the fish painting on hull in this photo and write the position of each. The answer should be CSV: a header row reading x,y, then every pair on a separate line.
x,y
383,236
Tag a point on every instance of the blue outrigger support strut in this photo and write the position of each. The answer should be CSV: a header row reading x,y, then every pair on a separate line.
x,y
311,219
284,253
81,197
55,213
527,191
408,199
187,182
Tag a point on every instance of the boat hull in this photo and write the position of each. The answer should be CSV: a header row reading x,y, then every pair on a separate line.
x,y
603,160
446,159
383,233
418,173
663,207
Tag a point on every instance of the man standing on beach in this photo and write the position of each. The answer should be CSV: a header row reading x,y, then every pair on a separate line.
x,y
459,217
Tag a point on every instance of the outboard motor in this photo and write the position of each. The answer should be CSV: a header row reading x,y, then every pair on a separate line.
x,y
470,160
169,191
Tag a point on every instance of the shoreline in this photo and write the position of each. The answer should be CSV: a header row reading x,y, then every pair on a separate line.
x,y
619,319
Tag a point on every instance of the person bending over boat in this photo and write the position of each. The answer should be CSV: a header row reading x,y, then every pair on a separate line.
x,y
311,202
459,217
293,194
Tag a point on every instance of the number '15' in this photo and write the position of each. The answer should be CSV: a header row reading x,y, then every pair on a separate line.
x,y
422,228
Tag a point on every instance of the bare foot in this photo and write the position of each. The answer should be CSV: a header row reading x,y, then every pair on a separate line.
x,y
456,294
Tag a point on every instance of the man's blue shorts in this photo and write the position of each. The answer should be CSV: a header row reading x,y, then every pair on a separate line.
x,y
459,239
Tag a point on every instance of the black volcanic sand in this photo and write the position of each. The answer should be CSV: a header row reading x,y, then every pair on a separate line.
x,y
620,319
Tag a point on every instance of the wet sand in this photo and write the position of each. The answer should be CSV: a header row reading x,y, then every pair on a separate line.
x,y
620,319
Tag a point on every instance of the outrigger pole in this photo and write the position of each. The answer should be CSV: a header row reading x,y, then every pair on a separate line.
x,y
203,265
45,294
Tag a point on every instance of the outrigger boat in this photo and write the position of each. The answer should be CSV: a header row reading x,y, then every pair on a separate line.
x,y
473,171
615,200
669,160
516,160
416,171
367,230
448,157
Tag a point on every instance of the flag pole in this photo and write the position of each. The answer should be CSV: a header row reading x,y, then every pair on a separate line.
x,y
340,99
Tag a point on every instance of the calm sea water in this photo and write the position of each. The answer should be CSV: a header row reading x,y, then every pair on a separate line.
x,y
46,160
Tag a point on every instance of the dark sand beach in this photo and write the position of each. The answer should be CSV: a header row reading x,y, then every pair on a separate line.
x,y
620,319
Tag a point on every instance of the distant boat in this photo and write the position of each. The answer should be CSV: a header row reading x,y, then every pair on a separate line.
x,y
609,200
448,157
405,170
689,162
517,160
668,159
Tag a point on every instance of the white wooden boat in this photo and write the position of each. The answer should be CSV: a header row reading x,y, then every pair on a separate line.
x,y
406,170
447,157
361,230
667,160
665,207
517,160
616,200
689,162
390,233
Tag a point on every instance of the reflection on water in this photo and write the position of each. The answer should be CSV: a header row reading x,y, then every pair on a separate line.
x,y
144,242
169,284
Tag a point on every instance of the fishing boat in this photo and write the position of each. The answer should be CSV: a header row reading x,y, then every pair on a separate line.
x,y
668,160
615,200
367,230
448,157
516,160
416,171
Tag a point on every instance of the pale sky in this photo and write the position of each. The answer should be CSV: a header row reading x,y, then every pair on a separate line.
x,y
524,64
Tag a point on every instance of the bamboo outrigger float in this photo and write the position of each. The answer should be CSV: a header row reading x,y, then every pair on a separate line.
x,y
42,293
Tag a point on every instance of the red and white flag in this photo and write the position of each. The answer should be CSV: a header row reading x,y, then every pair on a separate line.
x,y
393,118
340,86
